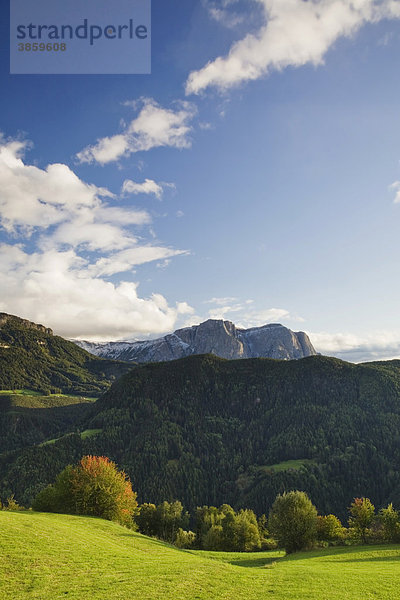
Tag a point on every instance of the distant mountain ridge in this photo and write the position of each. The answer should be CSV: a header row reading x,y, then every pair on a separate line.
x,y
218,337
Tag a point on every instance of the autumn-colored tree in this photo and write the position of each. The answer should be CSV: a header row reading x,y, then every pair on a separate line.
x,y
93,487
362,513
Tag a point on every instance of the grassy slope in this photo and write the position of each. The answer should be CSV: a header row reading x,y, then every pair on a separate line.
x,y
29,399
58,556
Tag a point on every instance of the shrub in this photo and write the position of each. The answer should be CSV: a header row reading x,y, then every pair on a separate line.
x,y
12,504
185,539
330,529
268,543
47,500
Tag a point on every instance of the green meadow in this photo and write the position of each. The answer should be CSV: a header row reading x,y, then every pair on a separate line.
x,y
32,399
48,557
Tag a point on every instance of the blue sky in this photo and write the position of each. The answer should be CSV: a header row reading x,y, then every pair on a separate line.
x,y
253,176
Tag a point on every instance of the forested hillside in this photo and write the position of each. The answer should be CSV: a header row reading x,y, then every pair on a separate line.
x,y
28,418
207,431
32,357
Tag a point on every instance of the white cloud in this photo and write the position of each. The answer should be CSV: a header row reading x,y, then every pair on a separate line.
x,y
123,261
219,11
378,345
153,127
294,33
148,186
244,314
34,199
77,239
55,288
31,197
90,236
396,187
222,16
221,301
106,150
205,125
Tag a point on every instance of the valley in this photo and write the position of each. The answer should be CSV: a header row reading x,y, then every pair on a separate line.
x,y
203,429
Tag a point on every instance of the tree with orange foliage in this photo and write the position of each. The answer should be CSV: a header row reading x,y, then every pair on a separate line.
x,y
93,487
362,513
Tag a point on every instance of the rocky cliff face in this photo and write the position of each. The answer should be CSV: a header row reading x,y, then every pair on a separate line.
x,y
217,337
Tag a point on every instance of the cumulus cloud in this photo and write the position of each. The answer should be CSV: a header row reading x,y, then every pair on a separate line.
x,y
294,33
66,239
54,200
58,289
153,127
31,197
148,186
378,345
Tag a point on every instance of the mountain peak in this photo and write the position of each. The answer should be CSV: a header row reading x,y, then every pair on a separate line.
x,y
214,336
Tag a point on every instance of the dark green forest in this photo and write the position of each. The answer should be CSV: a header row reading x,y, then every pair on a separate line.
x,y
208,431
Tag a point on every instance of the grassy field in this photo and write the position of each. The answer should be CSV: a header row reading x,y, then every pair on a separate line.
x,y
288,464
47,557
20,392
30,399
88,433
246,479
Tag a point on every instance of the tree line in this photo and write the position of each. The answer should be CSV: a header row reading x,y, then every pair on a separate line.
x,y
96,487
